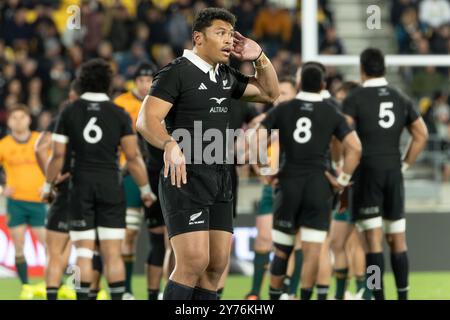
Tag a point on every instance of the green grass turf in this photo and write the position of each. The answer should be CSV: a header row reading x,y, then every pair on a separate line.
x,y
423,286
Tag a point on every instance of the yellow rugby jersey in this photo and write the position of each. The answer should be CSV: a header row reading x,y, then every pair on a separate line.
x,y
131,104
23,175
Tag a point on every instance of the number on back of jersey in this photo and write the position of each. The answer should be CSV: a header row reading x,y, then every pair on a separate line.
x,y
302,133
92,133
387,116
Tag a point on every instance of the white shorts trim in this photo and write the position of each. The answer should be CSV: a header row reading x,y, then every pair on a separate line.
x,y
110,233
312,235
60,138
368,224
134,218
394,226
283,238
84,253
82,235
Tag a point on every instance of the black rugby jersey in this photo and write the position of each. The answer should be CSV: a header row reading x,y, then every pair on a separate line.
x,y
68,158
94,127
381,112
306,125
199,93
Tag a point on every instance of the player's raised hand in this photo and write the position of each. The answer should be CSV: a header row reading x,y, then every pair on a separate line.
x,y
175,162
245,49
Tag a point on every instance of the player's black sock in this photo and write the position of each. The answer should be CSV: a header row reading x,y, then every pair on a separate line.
x,y
83,291
295,278
128,259
400,267
116,290
219,294
22,269
260,262
341,283
52,293
204,294
322,291
177,291
153,294
275,294
377,259
306,293
93,294
360,282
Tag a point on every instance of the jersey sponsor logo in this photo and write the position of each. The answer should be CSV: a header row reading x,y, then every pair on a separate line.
x,y
202,87
218,101
307,106
218,110
193,218
225,82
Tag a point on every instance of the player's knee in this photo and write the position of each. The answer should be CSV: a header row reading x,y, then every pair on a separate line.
x,y
337,244
194,263
283,243
157,251
279,264
84,253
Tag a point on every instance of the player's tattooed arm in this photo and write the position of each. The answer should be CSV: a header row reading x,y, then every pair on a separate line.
x,y
263,86
419,138
42,149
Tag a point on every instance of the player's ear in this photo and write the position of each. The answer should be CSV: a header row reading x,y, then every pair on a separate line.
x,y
198,38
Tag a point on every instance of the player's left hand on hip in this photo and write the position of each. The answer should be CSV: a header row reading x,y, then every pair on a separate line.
x,y
62,177
333,181
245,49
148,199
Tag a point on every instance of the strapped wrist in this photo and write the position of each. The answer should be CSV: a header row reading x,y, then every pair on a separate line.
x,y
344,179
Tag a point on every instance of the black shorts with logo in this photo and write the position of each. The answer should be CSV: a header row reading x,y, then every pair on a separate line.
x,y
96,200
57,218
153,214
204,203
302,201
378,193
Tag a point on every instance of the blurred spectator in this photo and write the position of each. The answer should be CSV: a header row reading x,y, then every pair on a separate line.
x,y
178,27
439,40
398,7
331,44
408,30
434,13
426,81
245,14
121,28
273,28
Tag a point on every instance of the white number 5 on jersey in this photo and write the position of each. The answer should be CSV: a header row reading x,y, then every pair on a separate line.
x,y
92,133
387,116
302,133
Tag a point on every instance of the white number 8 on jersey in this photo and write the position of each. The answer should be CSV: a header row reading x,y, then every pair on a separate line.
x,y
302,133
92,127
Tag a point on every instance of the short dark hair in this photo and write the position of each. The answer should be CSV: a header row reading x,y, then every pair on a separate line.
x,y
205,18
348,86
315,64
144,69
312,79
95,76
372,62
75,86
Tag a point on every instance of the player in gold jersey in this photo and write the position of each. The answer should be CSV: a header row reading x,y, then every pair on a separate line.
x,y
24,180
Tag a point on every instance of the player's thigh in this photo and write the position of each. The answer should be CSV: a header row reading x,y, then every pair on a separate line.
x,y
37,213
81,215
316,204
288,196
394,202
58,213
16,213
219,250
56,242
340,232
191,249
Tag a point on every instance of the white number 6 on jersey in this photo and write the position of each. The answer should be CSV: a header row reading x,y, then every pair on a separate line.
x,y
302,133
386,112
92,127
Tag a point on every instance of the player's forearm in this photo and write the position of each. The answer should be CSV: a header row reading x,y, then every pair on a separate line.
x,y
136,167
416,146
42,159
352,157
266,76
54,167
157,136
336,150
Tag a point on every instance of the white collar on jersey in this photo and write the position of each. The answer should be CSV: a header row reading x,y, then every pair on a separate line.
x,y
202,64
375,82
309,96
325,94
95,96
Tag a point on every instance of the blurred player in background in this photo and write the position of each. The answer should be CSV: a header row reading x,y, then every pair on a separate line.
x,y
379,113
263,241
57,239
344,240
96,128
131,101
24,180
